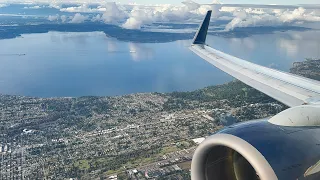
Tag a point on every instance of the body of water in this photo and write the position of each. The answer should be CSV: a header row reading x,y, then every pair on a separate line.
x,y
62,64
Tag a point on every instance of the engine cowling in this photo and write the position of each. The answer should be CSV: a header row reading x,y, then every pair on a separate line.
x,y
258,150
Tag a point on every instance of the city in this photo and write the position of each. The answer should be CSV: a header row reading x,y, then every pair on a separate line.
x,y
137,136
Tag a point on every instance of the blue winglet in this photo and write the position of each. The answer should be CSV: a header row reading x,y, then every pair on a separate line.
x,y
201,35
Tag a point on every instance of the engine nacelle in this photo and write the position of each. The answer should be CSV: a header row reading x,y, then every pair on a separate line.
x,y
259,150
228,157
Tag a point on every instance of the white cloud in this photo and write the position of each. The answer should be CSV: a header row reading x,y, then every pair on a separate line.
x,y
205,8
300,14
55,5
190,11
96,18
114,13
255,11
229,9
140,16
78,18
53,17
132,23
137,16
63,18
250,17
84,8
2,5
81,8
32,7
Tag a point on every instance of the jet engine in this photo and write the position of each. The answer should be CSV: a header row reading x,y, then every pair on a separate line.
x,y
259,150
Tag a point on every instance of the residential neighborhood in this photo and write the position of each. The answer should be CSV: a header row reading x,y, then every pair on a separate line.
x,y
137,136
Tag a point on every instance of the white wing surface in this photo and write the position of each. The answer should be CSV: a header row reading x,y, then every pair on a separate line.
x,y
287,88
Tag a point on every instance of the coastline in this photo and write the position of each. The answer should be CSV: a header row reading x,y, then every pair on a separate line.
x,y
102,135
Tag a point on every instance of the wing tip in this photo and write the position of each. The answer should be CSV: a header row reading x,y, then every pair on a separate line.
x,y
201,35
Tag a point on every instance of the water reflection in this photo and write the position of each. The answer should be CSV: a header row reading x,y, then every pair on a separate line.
x,y
249,43
140,52
300,43
277,50
80,38
81,64
290,47
137,51
112,46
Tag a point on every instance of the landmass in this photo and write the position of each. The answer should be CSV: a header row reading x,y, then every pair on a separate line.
x,y
121,34
139,36
309,68
250,31
137,136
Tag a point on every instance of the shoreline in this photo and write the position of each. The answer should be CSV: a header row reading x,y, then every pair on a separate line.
x,y
106,134
137,36
307,68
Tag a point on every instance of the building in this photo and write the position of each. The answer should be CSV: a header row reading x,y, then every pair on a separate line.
x,y
176,167
198,140
5,148
114,177
135,171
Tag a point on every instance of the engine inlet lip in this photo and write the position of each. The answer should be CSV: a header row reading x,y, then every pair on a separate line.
x,y
250,153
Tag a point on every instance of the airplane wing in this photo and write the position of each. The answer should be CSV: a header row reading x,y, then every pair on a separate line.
x,y
287,88
283,147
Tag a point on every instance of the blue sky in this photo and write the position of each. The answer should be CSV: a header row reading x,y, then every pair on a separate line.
x,y
225,1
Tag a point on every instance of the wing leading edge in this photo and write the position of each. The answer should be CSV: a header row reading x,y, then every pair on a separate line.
x,y
287,88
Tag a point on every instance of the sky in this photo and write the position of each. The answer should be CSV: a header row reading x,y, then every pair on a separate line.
x,y
176,2
289,2
281,2
141,16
